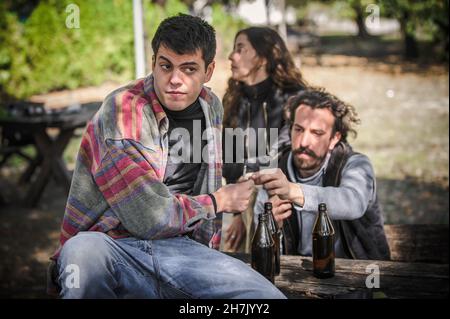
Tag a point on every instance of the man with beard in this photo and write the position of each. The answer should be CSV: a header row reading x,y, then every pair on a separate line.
x,y
321,167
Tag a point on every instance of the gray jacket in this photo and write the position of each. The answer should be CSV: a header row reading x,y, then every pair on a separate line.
x,y
348,188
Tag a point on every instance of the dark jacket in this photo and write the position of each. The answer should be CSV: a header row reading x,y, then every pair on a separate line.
x,y
276,100
362,238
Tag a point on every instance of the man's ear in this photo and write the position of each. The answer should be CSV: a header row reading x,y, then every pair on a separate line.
x,y
210,71
334,140
153,62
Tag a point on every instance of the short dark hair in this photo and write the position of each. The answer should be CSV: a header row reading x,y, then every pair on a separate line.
x,y
345,115
185,34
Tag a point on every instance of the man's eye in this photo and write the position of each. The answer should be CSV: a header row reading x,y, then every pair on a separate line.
x,y
190,70
165,66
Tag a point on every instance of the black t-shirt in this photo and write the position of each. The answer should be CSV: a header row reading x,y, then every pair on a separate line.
x,y
185,157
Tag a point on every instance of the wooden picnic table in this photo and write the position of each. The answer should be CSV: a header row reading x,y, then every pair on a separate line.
x,y
396,279
51,134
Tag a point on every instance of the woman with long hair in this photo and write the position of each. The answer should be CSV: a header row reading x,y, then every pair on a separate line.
x,y
264,76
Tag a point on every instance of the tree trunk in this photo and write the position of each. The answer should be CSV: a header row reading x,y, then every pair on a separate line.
x,y
362,31
411,50
267,2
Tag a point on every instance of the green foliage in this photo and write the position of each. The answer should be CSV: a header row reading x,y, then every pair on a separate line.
x,y
427,19
12,53
42,54
347,9
39,53
154,14
419,20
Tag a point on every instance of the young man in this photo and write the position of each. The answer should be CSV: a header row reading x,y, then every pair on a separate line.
x,y
139,221
321,167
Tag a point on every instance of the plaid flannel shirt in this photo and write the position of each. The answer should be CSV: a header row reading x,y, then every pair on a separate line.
x,y
117,186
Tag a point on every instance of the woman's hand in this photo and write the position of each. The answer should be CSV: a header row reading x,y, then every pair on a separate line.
x,y
235,233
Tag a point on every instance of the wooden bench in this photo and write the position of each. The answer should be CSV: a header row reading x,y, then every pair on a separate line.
x,y
418,243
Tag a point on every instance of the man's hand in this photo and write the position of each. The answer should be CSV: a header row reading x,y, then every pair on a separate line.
x,y
234,198
277,184
281,209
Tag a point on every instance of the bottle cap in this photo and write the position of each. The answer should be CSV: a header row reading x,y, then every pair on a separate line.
x,y
322,207
267,205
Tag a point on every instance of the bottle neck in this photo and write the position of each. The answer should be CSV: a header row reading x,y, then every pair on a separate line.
x,y
263,217
273,225
323,224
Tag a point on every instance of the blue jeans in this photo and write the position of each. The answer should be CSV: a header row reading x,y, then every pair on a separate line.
x,y
93,265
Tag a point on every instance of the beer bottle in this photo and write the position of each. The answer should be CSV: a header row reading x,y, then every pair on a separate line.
x,y
275,234
323,244
263,246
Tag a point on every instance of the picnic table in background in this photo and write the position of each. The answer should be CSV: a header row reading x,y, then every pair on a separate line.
x,y
50,131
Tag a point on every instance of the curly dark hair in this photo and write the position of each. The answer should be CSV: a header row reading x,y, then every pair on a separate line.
x,y
345,115
185,34
280,67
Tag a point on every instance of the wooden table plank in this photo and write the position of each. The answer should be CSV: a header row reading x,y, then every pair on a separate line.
x,y
405,269
397,279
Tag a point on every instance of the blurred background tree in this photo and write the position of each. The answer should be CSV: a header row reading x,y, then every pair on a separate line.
x,y
429,18
39,53
351,9
43,54
425,19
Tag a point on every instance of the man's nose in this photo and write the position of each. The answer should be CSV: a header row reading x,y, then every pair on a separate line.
x,y
175,78
305,139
